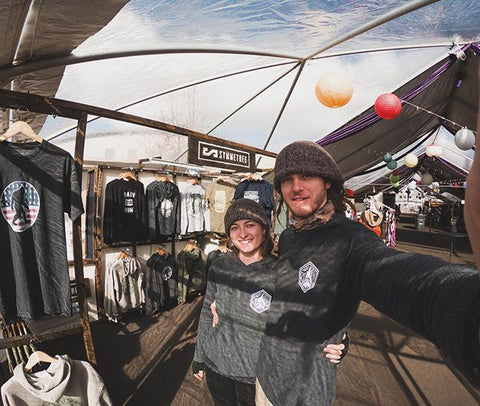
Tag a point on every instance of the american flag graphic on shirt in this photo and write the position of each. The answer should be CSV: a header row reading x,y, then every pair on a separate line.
x,y
20,204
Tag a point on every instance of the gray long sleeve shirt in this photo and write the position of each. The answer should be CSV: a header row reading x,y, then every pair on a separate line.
x,y
242,294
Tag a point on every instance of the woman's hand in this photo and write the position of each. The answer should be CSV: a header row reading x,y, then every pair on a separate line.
x,y
198,369
213,309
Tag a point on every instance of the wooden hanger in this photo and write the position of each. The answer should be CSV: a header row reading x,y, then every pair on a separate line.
x,y
226,179
161,251
23,128
223,247
37,357
190,246
161,178
127,175
124,255
193,181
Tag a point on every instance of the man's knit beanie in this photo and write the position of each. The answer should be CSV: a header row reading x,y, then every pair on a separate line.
x,y
245,209
308,158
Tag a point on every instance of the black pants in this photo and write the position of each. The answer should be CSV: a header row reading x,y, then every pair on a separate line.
x,y
228,392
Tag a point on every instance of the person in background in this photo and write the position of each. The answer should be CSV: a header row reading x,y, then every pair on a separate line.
x,y
327,264
242,285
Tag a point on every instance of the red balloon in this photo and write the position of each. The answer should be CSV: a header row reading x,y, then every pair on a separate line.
x,y
388,106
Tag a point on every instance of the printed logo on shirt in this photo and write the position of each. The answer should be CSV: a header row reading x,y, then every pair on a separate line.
x,y
166,208
252,194
128,201
307,276
20,204
167,273
260,301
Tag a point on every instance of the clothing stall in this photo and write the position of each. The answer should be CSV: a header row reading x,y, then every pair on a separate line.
x,y
147,188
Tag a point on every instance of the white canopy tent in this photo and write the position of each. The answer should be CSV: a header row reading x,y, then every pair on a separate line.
x,y
243,71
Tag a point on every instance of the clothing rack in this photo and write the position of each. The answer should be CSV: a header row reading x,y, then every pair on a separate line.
x,y
78,111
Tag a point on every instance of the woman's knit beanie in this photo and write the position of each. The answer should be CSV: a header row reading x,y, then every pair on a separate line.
x,y
245,209
308,158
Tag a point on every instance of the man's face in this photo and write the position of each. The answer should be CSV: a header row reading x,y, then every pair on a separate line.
x,y
304,194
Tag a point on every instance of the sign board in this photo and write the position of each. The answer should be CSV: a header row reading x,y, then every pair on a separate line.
x,y
218,154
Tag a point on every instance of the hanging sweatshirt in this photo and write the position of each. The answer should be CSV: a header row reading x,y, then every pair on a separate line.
x,y
195,213
259,190
191,273
124,216
163,201
161,280
242,294
321,276
123,286
64,382
220,196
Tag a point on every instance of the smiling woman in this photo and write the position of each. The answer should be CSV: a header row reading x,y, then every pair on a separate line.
x,y
241,286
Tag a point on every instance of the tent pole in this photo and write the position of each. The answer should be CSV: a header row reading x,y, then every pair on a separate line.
x,y
398,12
253,98
287,98
176,89
77,250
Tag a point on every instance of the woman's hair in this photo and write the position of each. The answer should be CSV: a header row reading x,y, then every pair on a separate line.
x,y
266,246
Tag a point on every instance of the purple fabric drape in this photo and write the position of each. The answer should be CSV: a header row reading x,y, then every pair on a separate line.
x,y
372,118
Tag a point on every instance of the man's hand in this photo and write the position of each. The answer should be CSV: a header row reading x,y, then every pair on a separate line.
x,y
213,309
199,375
336,352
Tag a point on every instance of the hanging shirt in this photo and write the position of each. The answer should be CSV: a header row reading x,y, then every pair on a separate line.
x,y
220,195
259,190
163,201
192,274
161,280
123,286
64,382
38,183
195,212
124,217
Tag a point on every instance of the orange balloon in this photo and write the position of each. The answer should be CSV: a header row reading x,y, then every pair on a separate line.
x,y
333,89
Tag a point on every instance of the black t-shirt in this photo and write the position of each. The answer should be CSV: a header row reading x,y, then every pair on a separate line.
x,y
38,183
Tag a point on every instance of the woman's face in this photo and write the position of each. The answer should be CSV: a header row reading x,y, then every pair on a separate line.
x,y
247,236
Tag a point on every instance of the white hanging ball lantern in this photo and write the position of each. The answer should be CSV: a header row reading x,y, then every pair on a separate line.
x,y
411,160
464,139
427,179
412,185
333,89
434,150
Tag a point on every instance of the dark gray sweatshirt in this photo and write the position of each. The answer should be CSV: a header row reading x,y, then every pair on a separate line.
x,y
321,276
243,294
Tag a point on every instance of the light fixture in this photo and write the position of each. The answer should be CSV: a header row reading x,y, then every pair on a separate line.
x,y
464,139
333,89
433,150
411,160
